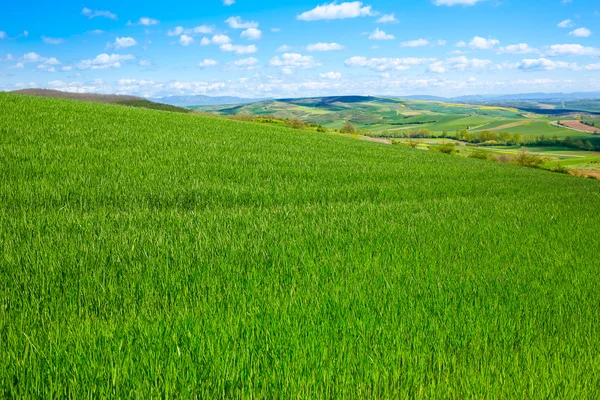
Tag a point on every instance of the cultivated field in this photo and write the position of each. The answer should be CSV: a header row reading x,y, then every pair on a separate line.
x,y
147,254
389,115
577,125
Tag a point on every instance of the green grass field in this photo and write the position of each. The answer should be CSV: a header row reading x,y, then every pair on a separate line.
x,y
382,115
148,254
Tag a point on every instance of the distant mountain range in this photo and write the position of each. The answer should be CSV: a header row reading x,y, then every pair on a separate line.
x,y
200,100
553,97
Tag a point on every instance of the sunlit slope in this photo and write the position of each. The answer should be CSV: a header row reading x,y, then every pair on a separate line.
x,y
153,254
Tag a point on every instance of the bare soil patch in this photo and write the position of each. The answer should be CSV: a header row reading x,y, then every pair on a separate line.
x,y
573,124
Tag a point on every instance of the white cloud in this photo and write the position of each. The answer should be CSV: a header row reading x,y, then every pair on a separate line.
x,y
415,43
32,57
228,2
124,42
239,49
592,67
2,35
205,41
459,64
324,47
521,48
207,63
220,40
545,64
52,61
567,23
480,43
67,68
8,57
386,64
144,21
96,13
284,48
378,34
105,61
290,61
331,75
237,23
337,11
145,63
276,30
572,50
49,40
244,64
96,32
581,32
251,34
186,40
201,29
455,2
387,19
462,43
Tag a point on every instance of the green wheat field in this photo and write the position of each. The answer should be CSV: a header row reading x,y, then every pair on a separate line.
x,y
148,254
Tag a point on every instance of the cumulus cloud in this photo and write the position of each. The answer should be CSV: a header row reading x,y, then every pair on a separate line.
x,y
386,64
180,30
244,64
567,23
186,40
124,42
378,34
459,64
239,49
228,2
54,41
144,21
206,63
284,48
387,19
32,57
97,13
334,10
324,47
3,35
479,43
456,2
251,34
545,64
290,61
238,23
415,43
521,48
571,50
331,75
105,61
219,40
581,32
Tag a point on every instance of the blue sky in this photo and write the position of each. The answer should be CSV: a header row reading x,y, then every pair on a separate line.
x,y
260,48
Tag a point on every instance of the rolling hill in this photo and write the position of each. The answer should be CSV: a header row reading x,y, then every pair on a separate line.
x,y
164,255
123,100
389,116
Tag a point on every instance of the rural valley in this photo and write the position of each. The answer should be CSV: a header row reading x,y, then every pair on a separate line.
x,y
258,200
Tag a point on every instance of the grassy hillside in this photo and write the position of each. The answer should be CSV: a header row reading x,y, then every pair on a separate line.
x,y
388,115
148,254
130,101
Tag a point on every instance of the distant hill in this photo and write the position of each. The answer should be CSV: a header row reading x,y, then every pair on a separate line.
x,y
200,100
494,98
124,100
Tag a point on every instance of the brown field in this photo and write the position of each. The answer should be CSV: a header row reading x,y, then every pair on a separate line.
x,y
579,126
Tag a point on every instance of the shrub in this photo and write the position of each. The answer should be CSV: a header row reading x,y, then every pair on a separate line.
x,y
348,128
527,159
478,154
446,148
